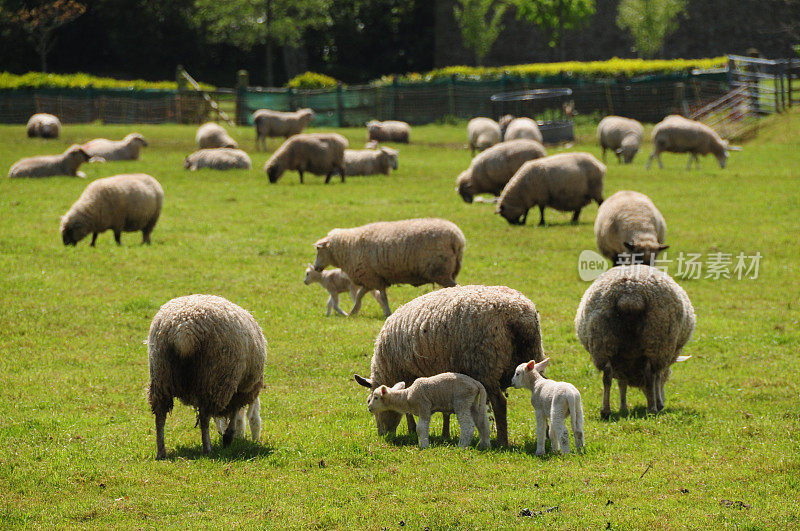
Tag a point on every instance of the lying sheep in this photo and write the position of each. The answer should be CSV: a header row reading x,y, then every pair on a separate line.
x,y
446,393
491,170
217,159
211,135
126,149
209,353
621,135
482,133
51,165
370,161
269,123
318,153
484,332
634,320
335,281
388,131
553,401
629,229
566,182
522,128
126,203
378,255
677,134
43,125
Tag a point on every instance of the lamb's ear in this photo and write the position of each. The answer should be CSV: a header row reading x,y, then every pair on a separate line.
x,y
542,365
530,366
323,243
383,389
663,247
363,381
398,386
682,358
630,246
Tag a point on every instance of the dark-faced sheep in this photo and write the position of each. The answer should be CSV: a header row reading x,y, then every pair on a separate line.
x,y
318,153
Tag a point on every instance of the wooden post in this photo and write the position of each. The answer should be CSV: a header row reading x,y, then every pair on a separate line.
x,y
451,96
180,80
242,109
394,98
339,106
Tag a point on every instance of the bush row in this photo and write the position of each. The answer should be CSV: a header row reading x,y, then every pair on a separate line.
x,y
81,81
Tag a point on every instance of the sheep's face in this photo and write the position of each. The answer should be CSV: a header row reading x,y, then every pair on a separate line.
x,y
527,373
324,257
391,154
627,151
311,275
73,231
77,153
643,253
186,163
138,139
514,215
274,172
464,188
723,158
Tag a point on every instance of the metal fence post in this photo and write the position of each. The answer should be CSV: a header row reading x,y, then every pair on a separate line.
x,y
242,82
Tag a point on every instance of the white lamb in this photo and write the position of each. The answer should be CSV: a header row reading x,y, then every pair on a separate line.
x,y
335,281
448,392
554,401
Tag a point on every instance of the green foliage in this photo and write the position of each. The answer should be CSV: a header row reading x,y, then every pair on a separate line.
x,y
573,69
650,22
478,32
311,80
555,16
80,80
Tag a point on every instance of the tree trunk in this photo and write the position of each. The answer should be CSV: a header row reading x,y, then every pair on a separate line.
x,y
561,31
269,60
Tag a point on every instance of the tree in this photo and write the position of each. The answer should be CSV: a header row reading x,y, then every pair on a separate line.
x,y
555,17
40,22
247,23
650,22
478,32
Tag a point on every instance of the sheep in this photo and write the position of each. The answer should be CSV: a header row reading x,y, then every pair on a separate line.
x,y
318,153
522,128
378,255
127,203
630,229
677,134
621,135
482,133
484,332
634,320
566,182
447,393
370,161
209,353
217,159
335,281
269,123
66,163
43,125
126,149
552,401
251,418
491,170
388,131
211,135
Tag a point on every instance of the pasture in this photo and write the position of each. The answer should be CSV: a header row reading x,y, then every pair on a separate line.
x,y
77,436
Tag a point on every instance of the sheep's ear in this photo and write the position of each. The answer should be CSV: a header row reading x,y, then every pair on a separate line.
x,y
682,358
630,246
383,389
363,381
542,365
618,151
323,243
734,148
663,247
398,386
530,366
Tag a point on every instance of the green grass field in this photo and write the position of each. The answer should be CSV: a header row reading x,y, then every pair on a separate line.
x,y
78,439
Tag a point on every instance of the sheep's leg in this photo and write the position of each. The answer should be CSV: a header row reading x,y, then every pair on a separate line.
x,y
481,420
576,415
341,173
117,236
301,175
254,419
357,303
541,215
383,299
230,431
206,438
623,398
328,177
499,407
650,391
541,432
467,427
446,425
146,236
329,306
94,239
161,419
576,215
689,165
660,164
412,424
650,160
605,413
659,392
604,153
334,302
423,430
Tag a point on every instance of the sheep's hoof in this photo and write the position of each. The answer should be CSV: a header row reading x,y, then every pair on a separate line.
x,y
605,415
539,453
161,455
227,438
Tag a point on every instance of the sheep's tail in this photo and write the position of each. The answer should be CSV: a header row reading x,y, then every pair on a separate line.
x,y
185,341
631,303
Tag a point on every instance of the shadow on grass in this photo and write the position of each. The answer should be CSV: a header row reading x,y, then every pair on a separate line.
x,y
640,412
239,450
527,447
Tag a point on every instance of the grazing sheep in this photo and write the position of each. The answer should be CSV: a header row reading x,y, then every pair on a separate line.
x,y
126,203
126,149
566,182
484,332
335,281
209,353
629,229
388,131
491,170
621,135
370,161
446,393
634,320
43,125
217,159
211,135
553,401
253,418
522,128
482,133
269,123
677,134
378,255
318,153
66,163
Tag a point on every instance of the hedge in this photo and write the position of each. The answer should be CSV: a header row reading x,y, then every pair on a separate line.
x,y
80,81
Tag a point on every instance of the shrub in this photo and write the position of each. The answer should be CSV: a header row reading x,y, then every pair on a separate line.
x,y
311,80
80,81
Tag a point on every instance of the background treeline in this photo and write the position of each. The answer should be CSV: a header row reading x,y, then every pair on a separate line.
x,y
365,39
